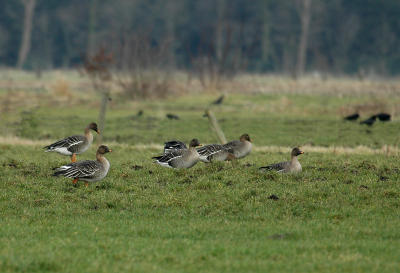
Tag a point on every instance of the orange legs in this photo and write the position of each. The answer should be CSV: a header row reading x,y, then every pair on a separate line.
x,y
76,181
73,158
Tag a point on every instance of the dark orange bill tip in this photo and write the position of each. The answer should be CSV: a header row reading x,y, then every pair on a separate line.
x,y
110,150
98,131
302,152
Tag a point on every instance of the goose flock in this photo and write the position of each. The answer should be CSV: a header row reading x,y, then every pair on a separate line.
x,y
175,155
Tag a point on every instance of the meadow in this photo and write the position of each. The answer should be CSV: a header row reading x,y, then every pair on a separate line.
x,y
341,214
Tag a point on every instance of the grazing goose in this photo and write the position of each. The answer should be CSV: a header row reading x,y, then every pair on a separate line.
x,y
87,170
288,166
215,152
352,117
180,159
173,145
240,148
74,145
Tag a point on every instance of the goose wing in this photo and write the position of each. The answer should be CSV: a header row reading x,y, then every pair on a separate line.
x,y
166,159
173,145
72,144
81,169
280,167
233,144
208,151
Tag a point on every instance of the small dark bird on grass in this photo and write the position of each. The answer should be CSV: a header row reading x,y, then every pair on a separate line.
x,y
273,197
172,116
352,117
139,113
370,121
383,117
219,100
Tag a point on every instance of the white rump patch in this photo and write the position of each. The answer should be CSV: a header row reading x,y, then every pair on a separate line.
x,y
63,151
164,164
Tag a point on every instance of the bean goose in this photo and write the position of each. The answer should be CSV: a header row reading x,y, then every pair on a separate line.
x,y
215,152
288,166
87,170
240,148
180,159
74,145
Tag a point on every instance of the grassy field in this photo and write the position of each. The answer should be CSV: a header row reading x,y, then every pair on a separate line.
x,y
341,214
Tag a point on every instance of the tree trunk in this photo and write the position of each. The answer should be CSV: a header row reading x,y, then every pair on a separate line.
x,y
305,16
29,6
214,124
91,28
102,115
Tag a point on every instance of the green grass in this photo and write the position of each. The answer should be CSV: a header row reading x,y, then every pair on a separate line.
x,y
341,214
269,119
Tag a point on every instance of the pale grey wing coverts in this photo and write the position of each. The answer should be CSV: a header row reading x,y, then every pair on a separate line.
x,y
281,166
81,169
73,144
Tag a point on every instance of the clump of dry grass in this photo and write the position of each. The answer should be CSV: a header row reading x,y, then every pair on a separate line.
x,y
311,85
68,87
147,84
61,88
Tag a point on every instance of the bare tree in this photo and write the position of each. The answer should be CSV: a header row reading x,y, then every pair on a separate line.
x,y
97,67
29,6
304,9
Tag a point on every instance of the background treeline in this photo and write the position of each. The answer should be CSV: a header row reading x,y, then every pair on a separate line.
x,y
222,36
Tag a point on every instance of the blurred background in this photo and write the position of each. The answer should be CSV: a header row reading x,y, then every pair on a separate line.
x,y
302,64
290,36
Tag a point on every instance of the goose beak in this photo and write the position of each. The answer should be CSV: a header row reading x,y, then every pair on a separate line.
x,y
301,152
199,145
98,131
109,150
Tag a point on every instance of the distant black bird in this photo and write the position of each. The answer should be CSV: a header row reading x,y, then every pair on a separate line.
x,y
273,197
383,117
172,116
219,100
370,121
352,117
140,113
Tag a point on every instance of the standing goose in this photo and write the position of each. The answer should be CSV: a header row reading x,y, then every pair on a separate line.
x,y
240,148
291,166
180,158
74,145
215,152
87,170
